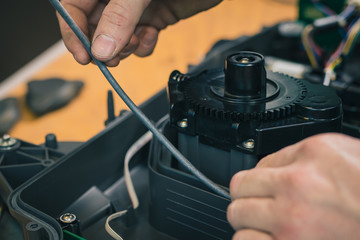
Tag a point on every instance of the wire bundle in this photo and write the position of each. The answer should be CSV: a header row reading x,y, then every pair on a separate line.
x,y
348,32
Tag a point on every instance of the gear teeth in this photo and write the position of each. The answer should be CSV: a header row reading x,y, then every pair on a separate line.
x,y
205,108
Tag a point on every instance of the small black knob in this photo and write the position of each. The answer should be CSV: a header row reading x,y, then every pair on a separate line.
x,y
245,76
51,141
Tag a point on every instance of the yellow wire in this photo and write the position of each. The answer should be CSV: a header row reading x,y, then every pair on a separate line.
x,y
305,39
347,47
349,43
334,64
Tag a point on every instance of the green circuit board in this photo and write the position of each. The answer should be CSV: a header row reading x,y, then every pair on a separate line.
x,y
70,236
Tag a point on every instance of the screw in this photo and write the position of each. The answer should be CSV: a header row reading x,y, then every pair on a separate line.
x,y
6,137
245,60
249,144
67,218
7,141
183,123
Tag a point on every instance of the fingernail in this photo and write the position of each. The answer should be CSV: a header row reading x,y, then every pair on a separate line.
x,y
103,46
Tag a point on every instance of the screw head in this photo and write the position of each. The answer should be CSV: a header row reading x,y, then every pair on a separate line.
x,y
245,60
6,141
183,123
249,143
68,218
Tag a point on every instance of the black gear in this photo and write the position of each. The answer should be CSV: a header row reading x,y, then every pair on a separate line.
x,y
226,107
205,95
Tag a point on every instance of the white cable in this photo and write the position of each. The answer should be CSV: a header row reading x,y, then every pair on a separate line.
x,y
139,144
111,231
328,75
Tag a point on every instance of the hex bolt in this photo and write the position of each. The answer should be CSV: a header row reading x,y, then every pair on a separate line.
x,y
67,218
249,143
183,123
6,141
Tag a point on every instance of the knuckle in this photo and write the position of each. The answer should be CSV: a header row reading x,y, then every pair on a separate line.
x,y
294,178
116,15
231,212
314,143
235,181
234,212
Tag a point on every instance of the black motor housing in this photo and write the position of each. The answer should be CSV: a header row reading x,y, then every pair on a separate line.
x,y
225,121
228,119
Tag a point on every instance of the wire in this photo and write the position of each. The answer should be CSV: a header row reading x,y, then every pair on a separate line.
x,y
349,39
353,36
349,10
139,144
141,116
343,51
312,50
309,45
323,8
111,231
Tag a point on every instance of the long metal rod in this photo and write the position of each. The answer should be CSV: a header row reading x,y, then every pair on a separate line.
x,y
142,117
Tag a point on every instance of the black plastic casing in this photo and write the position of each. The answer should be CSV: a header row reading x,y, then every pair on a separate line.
x,y
220,121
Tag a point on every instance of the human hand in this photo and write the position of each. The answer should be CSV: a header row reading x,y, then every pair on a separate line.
x,y
309,190
118,28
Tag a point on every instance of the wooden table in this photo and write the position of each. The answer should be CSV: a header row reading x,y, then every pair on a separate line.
x,y
179,45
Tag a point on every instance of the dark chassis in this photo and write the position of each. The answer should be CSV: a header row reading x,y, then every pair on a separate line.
x,y
42,182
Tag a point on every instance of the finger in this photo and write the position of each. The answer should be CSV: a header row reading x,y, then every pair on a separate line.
x,y
250,234
254,213
283,157
130,48
116,27
254,183
148,37
78,10
114,62
94,18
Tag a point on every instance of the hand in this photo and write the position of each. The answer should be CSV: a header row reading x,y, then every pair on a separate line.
x,y
118,28
306,191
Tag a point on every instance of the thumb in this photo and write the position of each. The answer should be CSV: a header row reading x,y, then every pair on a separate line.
x,y
116,26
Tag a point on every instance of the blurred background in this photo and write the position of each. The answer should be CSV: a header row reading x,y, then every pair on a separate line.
x,y
28,28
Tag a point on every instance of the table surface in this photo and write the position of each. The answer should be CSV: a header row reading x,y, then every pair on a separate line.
x,y
179,45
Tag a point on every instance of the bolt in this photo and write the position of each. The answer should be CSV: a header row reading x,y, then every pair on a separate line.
x,y
249,144
6,137
67,218
7,141
183,123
